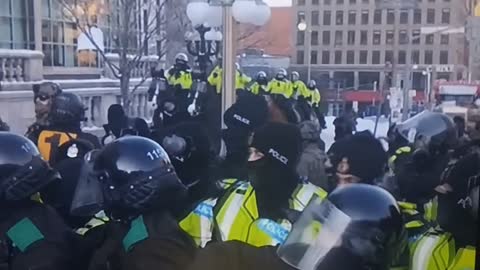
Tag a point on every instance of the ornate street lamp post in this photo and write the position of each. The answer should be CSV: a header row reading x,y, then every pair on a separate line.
x,y
201,46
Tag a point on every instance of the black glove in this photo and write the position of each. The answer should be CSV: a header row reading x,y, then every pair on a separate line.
x,y
215,75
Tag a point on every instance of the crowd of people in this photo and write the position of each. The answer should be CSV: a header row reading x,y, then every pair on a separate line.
x,y
270,196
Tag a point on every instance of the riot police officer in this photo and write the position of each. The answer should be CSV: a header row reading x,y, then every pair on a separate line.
x,y
179,78
137,187
65,117
356,227
32,235
430,137
260,85
280,85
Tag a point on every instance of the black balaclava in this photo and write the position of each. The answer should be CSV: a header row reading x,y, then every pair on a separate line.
x,y
274,176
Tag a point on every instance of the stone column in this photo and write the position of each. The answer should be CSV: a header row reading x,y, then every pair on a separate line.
x,y
37,23
356,80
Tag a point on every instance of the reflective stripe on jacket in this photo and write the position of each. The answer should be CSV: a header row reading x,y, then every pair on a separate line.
x,y
238,218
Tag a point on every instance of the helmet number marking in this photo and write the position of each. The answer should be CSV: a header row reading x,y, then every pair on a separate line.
x,y
155,154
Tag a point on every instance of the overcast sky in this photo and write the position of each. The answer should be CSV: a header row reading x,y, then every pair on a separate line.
x,y
279,3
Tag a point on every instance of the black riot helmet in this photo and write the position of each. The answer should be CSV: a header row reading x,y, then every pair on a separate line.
x,y
357,226
136,175
431,131
22,170
67,110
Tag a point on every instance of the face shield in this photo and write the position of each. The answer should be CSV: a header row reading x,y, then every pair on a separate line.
x,y
319,230
88,197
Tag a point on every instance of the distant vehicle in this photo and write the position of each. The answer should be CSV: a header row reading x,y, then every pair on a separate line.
x,y
454,98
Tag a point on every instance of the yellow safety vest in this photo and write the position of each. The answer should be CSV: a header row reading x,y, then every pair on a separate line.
x,y
400,151
435,251
215,79
199,223
276,87
464,260
185,80
300,89
238,218
316,97
257,88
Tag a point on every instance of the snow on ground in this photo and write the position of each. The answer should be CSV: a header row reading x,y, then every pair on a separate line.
x,y
367,123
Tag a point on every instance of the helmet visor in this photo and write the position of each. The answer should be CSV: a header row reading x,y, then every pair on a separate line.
x,y
319,230
88,196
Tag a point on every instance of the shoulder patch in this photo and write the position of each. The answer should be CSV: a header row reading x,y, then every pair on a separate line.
x,y
137,233
24,233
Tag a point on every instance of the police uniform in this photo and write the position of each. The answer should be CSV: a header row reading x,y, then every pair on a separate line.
x,y
216,77
179,79
258,89
315,98
280,87
32,235
235,217
300,89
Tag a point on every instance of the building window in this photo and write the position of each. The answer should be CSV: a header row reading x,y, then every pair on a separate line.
x,y
402,57
376,57
315,2
327,17
446,15
403,37
428,57
300,57
338,37
416,37
363,37
339,17
326,57
431,16
389,37
388,56
415,57
340,2
377,16
366,1
326,38
429,39
353,2
327,2
350,57
301,2
417,16
315,17
444,57
352,17
351,37
404,16
59,39
364,17
16,25
377,36
338,57
444,39
314,58
390,16
314,38
363,57
301,38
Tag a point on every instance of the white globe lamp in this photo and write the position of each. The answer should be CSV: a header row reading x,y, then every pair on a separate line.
x,y
242,10
261,14
302,26
214,16
197,12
